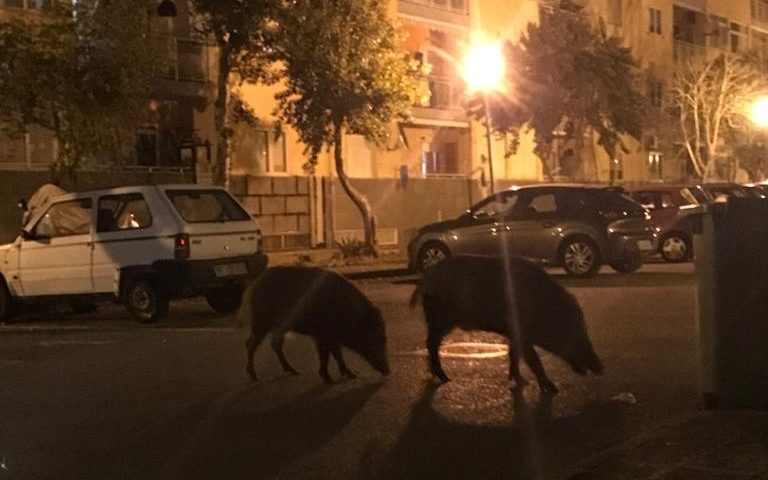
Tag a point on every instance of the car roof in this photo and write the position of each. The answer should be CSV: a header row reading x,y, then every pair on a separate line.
x,y
144,188
562,185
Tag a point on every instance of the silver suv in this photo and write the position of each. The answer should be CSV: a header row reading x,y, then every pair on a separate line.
x,y
576,227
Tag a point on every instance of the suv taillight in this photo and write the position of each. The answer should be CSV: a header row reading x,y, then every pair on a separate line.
x,y
181,246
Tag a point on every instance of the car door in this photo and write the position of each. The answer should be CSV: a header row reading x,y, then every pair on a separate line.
x,y
532,229
55,257
123,237
486,234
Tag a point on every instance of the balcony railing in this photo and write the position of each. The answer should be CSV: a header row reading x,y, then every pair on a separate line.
x,y
760,12
187,59
687,52
458,6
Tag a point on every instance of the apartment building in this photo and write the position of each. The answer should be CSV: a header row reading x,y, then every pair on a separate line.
x,y
176,132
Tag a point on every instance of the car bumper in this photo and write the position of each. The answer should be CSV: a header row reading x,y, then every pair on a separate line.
x,y
190,277
633,246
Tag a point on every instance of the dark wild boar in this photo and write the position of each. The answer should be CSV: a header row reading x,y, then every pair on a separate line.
x,y
318,303
477,293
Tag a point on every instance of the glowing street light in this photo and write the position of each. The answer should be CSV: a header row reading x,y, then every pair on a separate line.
x,y
483,70
759,114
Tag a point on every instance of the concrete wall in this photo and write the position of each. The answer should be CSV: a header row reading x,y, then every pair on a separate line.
x,y
15,185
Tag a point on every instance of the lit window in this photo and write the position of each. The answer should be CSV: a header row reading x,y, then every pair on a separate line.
x,y
655,160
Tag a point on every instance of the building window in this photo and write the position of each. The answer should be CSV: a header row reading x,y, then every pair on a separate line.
x,y
614,12
655,21
656,93
738,37
445,161
655,161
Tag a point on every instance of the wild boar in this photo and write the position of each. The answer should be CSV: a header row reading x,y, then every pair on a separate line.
x,y
512,297
318,303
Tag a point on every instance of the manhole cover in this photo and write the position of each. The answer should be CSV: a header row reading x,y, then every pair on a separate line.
x,y
472,350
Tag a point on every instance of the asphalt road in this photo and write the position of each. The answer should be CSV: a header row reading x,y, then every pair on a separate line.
x,y
99,397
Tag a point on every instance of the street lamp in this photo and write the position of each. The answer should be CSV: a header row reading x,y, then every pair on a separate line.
x,y
759,114
483,70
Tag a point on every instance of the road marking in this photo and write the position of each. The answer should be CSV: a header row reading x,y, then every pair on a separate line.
x,y
470,350
56,343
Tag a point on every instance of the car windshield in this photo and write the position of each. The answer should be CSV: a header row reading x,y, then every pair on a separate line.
x,y
200,206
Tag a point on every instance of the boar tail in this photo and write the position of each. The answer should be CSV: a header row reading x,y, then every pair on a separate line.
x,y
415,296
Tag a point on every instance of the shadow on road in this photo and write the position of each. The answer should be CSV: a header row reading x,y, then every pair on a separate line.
x,y
608,280
535,445
258,445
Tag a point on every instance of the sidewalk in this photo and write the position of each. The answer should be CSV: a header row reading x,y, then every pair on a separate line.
x,y
390,263
702,446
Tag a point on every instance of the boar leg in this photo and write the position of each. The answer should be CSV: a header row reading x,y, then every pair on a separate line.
x,y
514,368
277,345
343,369
323,351
251,345
534,362
434,339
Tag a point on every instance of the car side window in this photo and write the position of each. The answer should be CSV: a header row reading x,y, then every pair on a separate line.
x,y
666,200
544,203
123,212
645,199
500,205
64,219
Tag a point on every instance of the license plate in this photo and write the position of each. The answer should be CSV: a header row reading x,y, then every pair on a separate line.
x,y
644,245
230,269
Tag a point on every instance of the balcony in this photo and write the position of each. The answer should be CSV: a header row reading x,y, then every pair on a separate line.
x,y
686,53
760,12
448,11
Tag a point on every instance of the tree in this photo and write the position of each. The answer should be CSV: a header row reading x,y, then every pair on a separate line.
x,y
567,78
344,73
244,31
84,72
711,99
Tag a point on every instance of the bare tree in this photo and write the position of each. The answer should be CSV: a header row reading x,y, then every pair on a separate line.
x,y
711,97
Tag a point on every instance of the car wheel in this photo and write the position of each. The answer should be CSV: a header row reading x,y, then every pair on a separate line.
x,y
579,257
431,254
6,303
225,300
627,265
145,301
675,248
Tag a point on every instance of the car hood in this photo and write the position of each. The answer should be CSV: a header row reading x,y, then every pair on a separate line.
x,y
445,225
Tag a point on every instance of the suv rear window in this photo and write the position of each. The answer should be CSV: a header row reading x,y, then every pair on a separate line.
x,y
206,206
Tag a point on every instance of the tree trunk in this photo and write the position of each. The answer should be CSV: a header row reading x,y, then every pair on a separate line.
x,y
221,118
357,198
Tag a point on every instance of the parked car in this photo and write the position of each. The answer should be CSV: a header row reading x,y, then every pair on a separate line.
x,y
142,246
671,208
576,227
720,192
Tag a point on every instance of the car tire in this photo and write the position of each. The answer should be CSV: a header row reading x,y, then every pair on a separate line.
x,y
225,300
7,307
145,301
628,265
430,254
675,247
579,257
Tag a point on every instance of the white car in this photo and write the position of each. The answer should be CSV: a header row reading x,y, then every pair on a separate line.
x,y
142,246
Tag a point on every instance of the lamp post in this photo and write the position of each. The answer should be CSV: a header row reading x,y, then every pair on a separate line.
x,y
483,70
